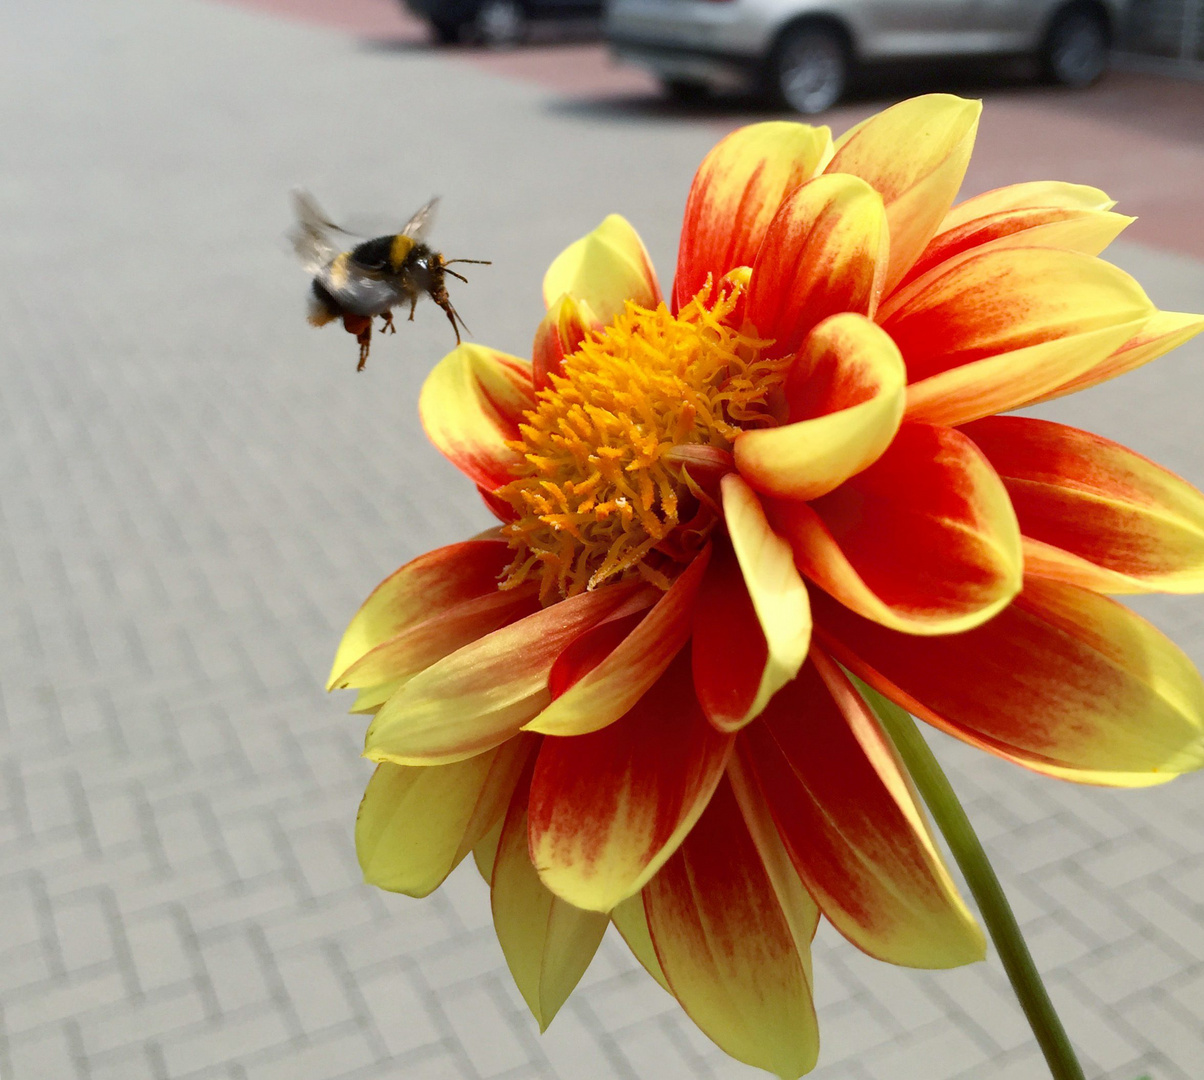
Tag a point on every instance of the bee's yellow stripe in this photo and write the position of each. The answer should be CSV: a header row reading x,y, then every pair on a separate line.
x,y
402,246
337,271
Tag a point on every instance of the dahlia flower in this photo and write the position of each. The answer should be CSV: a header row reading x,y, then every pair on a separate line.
x,y
632,700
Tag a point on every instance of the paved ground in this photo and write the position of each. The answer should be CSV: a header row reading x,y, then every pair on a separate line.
x,y
196,490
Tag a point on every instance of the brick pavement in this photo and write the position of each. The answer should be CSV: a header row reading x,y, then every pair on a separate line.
x,y
197,490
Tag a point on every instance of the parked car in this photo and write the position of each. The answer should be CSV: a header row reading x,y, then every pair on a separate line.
x,y
802,53
495,22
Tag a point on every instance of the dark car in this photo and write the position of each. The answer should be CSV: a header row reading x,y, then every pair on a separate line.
x,y
496,22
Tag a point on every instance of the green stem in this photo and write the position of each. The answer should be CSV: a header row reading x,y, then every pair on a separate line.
x,y
934,785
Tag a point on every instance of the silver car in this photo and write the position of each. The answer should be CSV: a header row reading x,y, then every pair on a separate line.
x,y
803,52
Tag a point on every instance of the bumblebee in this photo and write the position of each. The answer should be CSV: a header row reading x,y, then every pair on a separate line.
x,y
372,278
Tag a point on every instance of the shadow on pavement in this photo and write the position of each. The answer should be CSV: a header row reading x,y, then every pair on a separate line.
x,y
540,35
1146,103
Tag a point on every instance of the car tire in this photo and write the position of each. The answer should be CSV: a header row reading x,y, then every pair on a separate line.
x,y
1076,49
685,91
446,33
500,23
809,69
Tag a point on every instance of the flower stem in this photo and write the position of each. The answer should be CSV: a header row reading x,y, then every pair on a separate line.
x,y
934,785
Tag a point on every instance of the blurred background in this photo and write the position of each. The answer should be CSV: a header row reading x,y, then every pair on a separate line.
x,y
197,490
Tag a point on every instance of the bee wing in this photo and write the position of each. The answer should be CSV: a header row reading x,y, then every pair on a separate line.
x,y
311,233
417,227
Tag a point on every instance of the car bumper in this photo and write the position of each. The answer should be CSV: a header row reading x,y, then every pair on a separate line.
x,y
720,33
673,63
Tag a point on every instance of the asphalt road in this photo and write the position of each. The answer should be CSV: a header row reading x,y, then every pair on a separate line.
x,y
196,490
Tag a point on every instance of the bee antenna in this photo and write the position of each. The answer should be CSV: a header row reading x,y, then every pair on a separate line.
x,y
479,262
455,275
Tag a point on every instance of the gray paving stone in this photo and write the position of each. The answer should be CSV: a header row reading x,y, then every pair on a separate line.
x,y
212,1044
400,1011
483,1031
628,999
1127,859
334,1055
848,1030
23,966
129,1024
46,1054
161,948
234,970
315,988
87,929
934,1052
1102,1039
1173,1029
649,1049
62,999
22,909
1130,967
128,1065
561,1044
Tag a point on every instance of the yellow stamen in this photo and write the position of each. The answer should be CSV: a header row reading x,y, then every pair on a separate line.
x,y
603,496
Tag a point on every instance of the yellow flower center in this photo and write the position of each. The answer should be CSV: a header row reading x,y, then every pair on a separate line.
x,y
621,449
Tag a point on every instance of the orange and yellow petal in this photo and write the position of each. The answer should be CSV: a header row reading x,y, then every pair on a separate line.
x,y
852,825
599,695
1159,334
417,647
482,694
1039,214
1063,681
558,335
797,903
846,393
632,924
604,269
1094,513
471,405
429,585
371,698
416,823
1056,194
484,851
825,251
924,541
735,195
547,942
915,155
752,626
997,328
608,808
726,947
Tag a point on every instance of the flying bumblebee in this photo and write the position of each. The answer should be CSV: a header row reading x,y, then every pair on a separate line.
x,y
373,277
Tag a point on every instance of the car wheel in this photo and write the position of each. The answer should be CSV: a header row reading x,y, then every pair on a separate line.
x,y
446,33
809,69
1076,50
685,91
501,22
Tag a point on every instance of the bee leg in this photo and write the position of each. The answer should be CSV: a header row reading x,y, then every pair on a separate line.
x,y
387,326
364,337
413,305
361,327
